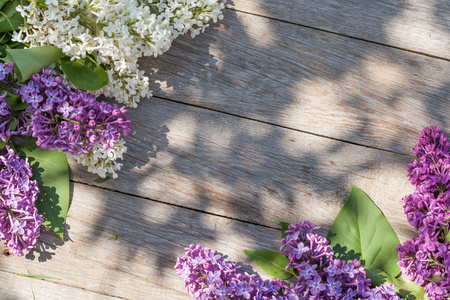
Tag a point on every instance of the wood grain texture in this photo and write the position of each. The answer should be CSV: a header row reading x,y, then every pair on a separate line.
x,y
139,264
16,287
247,170
254,120
422,26
307,80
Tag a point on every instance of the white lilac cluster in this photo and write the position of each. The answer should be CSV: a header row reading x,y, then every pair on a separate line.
x,y
100,161
116,32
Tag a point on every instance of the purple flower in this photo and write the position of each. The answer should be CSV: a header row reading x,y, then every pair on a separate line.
x,y
19,219
214,276
69,120
222,291
349,270
309,271
333,270
17,227
299,250
243,289
316,285
65,109
333,287
34,99
5,109
272,287
52,96
425,258
5,69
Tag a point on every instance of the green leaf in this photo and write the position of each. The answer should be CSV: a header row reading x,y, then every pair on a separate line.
x,y
113,238
4,38
38,276
3,2
84,73
15,102
447,236
407,290
434,279
28,62
101,180
5,55
284,227
10,18
361,231
51,171
272,263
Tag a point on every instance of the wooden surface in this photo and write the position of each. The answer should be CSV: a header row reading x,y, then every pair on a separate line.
x,y
272,113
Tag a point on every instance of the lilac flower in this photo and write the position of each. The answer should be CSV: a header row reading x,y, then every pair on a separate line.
x,y
425,258
308,271
34,99
65,109
214,276
272,287
298,252
19,219
333,270
316,285
208,276
349,270
17,227
70,120
333,287
10,119
52,96
5,109
325,279
5,70
222,291
243,289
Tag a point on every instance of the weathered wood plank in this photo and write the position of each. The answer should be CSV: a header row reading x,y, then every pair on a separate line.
x,y
422,26
139,264
247,170
307,80
15,287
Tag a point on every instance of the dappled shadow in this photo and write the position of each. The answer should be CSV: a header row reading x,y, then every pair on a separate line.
x,y
343,253
257,119
47,244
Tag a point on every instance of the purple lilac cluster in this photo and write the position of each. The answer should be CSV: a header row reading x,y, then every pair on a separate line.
x,y
426,259
19,219
59,116
70,120
208,276
11,122
320,275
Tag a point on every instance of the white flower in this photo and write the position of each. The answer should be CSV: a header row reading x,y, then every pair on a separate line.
x,y
51,2
100,161
116,32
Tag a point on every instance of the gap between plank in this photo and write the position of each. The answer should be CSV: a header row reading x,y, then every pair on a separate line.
x,y
281,126
341,34
171,204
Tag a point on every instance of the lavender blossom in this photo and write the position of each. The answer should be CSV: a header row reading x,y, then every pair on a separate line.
x,y
11,122
320,275
19,219
68,119
207,276
425,259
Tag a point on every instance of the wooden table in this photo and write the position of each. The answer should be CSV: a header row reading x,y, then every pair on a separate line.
x,y
270,113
